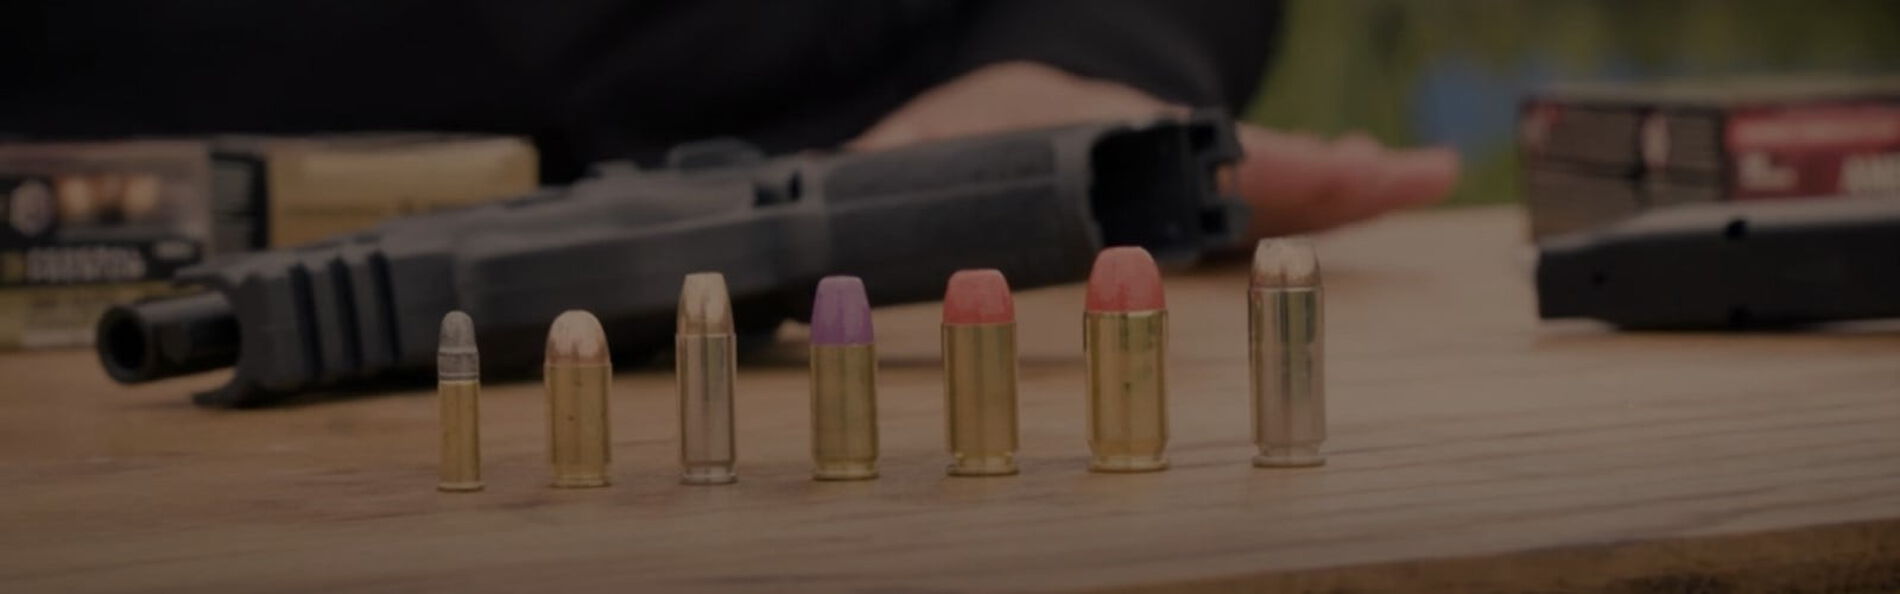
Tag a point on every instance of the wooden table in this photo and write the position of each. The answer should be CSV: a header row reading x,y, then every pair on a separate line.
x,y
1473,448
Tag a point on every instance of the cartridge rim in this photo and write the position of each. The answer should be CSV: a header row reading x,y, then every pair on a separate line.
x,y
986,466
844,472
708,475
1290,457
1128,464
579,482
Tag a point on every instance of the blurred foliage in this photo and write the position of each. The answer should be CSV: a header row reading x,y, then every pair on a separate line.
x,y
1359,64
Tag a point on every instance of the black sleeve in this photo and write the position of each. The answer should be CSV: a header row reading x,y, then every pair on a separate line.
x,y
1203,53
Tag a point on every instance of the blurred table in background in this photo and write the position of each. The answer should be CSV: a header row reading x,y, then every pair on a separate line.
x,y
1473,448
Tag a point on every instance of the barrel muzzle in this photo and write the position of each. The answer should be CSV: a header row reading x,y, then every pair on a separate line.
x,y
167,337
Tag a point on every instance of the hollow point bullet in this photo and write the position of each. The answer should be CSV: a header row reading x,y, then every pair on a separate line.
x,y
979,369
1285,339
1125,338
578,373
843,382
706,359
458,388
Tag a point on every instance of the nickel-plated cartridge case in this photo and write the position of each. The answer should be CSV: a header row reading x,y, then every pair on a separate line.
x,y
1125,339
458,388
706,360
577,375
843,382
979,368
1285,338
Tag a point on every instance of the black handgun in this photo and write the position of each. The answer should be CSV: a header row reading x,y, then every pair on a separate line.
x,y
364,307
1730,265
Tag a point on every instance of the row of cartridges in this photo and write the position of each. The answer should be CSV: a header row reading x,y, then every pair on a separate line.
x,y
1125,331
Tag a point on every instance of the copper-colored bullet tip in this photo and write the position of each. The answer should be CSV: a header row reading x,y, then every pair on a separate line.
x,y
576,339
1285,262
704,306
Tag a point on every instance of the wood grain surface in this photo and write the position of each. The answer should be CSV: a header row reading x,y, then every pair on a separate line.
x,y
1473,449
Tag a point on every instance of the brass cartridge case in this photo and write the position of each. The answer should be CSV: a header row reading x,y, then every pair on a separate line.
x,y
980,398
705,365
1286,348
1127,390
844,412
461,468
579,442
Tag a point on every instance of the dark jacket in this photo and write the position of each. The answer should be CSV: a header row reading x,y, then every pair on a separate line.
x,y
588,79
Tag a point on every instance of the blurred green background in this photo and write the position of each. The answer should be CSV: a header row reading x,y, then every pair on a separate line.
x,y
1451,71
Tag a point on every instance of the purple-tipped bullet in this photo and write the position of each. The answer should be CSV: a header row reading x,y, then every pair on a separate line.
x,y
840,314
843,382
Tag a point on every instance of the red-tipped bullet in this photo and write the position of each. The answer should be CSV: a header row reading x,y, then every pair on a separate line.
x,y
978,297
1125,336
1125,279
979,368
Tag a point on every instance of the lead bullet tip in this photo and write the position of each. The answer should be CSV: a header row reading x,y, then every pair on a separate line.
x,y
455,353
704,306
1125,279
841,314
1285,262
576,339
458,331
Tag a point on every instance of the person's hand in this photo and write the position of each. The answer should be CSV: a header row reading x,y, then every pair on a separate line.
x,y
1294,182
